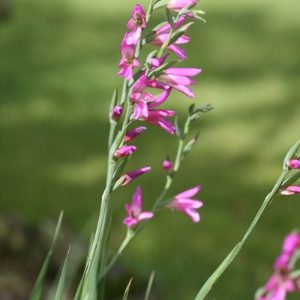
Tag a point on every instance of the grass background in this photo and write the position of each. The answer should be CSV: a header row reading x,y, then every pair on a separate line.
x,y
58,66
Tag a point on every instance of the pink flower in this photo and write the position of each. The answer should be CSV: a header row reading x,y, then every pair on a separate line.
x,y
177,5
291,242
282,262
128,60
136,24
124,151
145,101
177,78
117,112
159,118
131,134
134,210
162,35
291,190
183,203
278,286
281,282
167,165
294,164
128,177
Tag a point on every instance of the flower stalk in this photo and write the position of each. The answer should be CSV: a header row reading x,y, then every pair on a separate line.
x,y
238,247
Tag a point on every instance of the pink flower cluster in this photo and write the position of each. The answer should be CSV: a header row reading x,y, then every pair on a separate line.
x,y
142,93
150,87
281,282
136,24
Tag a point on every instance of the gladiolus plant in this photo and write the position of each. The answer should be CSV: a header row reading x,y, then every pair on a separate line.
x,y
149,86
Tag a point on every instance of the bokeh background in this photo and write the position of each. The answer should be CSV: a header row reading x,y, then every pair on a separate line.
x,y
58,69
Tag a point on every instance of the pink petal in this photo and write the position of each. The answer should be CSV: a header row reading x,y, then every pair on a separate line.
x,y
137,200
130,222
189,193
178,51
194,215
183,71
189,203
185,90
133,36
145,215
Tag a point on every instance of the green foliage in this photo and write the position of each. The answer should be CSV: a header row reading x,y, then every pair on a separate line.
x,y
62,279
38,286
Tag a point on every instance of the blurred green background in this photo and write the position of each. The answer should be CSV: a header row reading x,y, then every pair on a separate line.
x,y
58,69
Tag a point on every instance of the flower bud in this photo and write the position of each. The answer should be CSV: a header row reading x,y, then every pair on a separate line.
x,y
167,165
294,164
124,151
116,112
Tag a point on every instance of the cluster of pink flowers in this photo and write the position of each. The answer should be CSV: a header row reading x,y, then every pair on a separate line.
x,y
146,102
281,282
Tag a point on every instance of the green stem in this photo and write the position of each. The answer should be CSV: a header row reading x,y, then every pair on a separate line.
x,y
128,238
169,180
235,251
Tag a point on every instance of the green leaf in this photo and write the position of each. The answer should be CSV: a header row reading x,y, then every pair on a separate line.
x,y
169,17
149,285
179,132
37,289
291,179
218,272
189,146
120,167
62,280
89,286
199,111
113,103
126,293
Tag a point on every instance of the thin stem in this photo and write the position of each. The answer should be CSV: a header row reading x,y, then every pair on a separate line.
x,y
119,252
104,208
169,180
235,251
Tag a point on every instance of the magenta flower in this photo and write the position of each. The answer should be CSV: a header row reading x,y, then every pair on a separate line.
x,y
184,203
145,101
294,164
134,210
281,283
167,165
159,118
124,151
282,262
136,24
277,287
291,190
178,78
128,60
117,112
131,134
128,177
291,242
162,35
177,5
